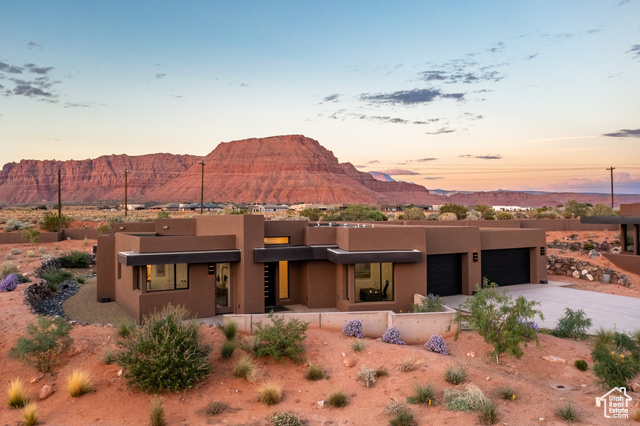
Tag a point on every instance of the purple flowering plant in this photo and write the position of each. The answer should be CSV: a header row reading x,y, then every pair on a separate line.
x,y
437,344
9,283
353,328
392,335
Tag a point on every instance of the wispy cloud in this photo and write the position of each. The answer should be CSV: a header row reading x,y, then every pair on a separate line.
x,y
11,69
441,131
410,97
424,160
623,183
161,75
331,98
482,157
373,162
635,50
401,172
434,178
624,133
35,82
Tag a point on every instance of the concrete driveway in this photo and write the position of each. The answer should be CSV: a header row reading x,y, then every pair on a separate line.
x,y
605,310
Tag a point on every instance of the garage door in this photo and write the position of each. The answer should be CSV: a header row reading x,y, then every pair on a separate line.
x,y
444,274
506,266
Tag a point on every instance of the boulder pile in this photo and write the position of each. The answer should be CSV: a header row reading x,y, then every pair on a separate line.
x,y
584,270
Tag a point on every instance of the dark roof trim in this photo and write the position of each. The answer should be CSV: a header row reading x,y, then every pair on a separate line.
x,y
290,253
342,257
131,258
626,220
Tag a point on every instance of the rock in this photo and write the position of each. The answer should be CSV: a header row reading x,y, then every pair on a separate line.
x,y
635,387
38,377
78,347
488,378
320,403
593,253
585,272
119,373
349,362
471,354
553,358
45,392
576,274
590,277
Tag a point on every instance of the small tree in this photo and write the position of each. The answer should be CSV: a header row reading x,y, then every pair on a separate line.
x,y
504,216
281,338
459,210
501,322
601,210
414,213
163,215
45,338
311,214
577,209
54,223
485,210
30,235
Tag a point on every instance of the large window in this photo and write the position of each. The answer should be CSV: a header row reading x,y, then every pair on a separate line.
x,y
374,282
166,277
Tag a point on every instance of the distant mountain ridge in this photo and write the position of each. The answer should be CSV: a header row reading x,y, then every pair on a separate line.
x,y
279,169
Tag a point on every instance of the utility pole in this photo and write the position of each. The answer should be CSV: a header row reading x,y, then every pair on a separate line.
x,y
59,197
125,192
612,169
202,189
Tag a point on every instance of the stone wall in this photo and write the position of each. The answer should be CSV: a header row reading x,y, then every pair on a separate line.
x,y
584,270
604,246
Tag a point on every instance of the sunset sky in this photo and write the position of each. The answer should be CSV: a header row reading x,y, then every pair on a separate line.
x,y
466,95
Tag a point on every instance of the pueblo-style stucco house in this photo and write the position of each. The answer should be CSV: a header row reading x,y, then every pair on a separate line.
x,y
246,264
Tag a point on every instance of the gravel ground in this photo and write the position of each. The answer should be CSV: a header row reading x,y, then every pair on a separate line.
x,y
84,308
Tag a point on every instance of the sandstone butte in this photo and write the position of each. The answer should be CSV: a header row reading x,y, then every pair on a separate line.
x,y
279,169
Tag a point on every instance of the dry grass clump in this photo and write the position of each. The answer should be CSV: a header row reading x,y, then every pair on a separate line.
x,y
246,368
229,330
367,375
424,394
568,413
78,383
314,372
471,398
270,393
228,347
17,394
156,416
407,364
214,408
456,374
338,399
30,414
358,345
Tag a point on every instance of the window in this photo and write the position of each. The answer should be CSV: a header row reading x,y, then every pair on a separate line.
x,y
223,285
374,282
166,277
276,240
283,279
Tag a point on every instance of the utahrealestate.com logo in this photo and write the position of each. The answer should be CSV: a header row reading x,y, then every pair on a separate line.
x,y
615,403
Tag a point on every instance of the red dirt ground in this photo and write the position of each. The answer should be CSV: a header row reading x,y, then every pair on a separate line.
x,y
113,402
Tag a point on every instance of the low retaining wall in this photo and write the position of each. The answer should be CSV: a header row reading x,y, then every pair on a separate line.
x,y
414,328
584,270
50,237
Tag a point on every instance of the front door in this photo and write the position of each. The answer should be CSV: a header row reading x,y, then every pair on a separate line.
x,y
270,270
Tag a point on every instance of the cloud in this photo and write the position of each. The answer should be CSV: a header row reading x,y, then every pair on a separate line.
x,y
11,69
32,44
424,160
38,70
635,49
410,97
373,162
434,178
623,183
558,37
331,98
441,131
482,157
530,57
75,105
624,133
402,172
161,75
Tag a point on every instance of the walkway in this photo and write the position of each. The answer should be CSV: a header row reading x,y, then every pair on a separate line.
x,y
605,310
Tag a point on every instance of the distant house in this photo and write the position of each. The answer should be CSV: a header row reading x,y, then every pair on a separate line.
x,y
131,207
510,208
208,207
300,207
272,208
390,207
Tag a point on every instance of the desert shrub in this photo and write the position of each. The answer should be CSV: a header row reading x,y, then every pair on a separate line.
x,y
568,413
588,245
30,254
9,283
381,372
30,414
245,368
407,364
17,394
285,419
501,322
337,399
311,214
581,365
392,335
403,417
104,229
163,215
14,225
358,345
15,251
76,259
214,408
30,235
80,280
22,279
156,416
55,277
44,339
53,223
573,324
457,209
488,412
616,358
109,357
424,394
227,350
314,372
430,303
165,353
125,327
456,374
504,216
437,344
8,268
229,330
281,339
353,328
78,383
469,398
270,393
367,375
506,393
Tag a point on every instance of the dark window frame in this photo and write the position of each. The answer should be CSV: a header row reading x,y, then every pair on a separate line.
x,y
175,278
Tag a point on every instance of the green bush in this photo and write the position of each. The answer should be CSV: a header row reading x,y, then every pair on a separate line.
x,y
104,229
76,259
314,372
425,394
281,339
501,322
357,345
430,303
403,417
55,277
616,358
311,214
163,215
573,324
506,393
228,348
457,209
30,235
54,223
165,353
45,339
581,365
229,330
337,399
125,327
504,216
